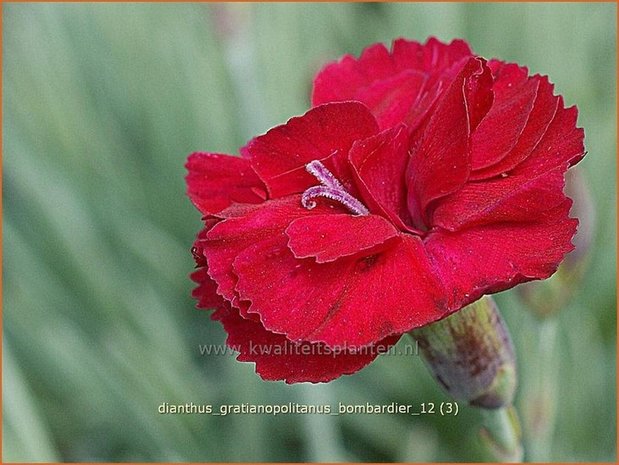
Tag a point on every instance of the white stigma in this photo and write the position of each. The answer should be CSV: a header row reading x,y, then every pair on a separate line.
x,y
330,188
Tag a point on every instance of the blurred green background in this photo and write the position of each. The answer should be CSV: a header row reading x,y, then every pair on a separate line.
x,y
101,105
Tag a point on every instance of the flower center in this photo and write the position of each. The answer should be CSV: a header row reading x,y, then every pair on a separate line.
x,y
330,188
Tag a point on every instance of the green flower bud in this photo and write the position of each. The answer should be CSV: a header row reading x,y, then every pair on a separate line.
x,y
470,353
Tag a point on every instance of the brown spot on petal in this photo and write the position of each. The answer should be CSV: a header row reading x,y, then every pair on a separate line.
x,y
366,263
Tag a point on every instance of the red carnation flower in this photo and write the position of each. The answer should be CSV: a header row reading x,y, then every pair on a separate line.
x,y
422,179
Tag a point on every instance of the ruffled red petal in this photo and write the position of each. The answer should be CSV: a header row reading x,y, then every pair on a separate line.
x,y
352,301
433,57
542,114
400,86
494,257
329,237
206,292
379,166
499,130
277,358
397,99
440,161
215,181
513,199
324,133
561,145
478,95
243,227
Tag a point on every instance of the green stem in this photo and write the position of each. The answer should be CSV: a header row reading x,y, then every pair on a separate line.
x,y
540,393
501,436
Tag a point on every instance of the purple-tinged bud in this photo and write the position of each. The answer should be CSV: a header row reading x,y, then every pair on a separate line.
x,y
470,353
